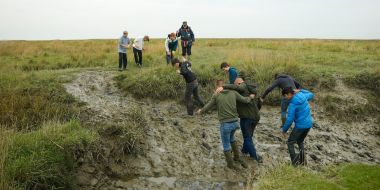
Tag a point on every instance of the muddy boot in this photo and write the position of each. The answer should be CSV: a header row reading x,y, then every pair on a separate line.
x,y
229,160
235,150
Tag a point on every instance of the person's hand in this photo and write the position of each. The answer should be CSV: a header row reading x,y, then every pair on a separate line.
x,y
297,90
261,100
199,111
178,71
283,135
168,53
252,96
143,49
218,90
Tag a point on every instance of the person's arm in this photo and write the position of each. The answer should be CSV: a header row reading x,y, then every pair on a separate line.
x,y
309,96
242,99
179,33
290,118
268,90
192,35
297,84
234,87
167,46
233,75
209,105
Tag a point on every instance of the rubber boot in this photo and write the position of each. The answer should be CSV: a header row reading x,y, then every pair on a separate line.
x,y
229,160
235,150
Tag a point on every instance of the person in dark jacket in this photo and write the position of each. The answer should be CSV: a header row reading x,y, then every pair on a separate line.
x,y
184,68
171,44
249,116
187,39
232,72
225,102
282,81
298,112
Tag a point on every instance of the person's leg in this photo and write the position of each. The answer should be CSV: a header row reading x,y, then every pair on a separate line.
x,y
225,134
135,56
284,108
196,95
244,149
140,57
188,99
247,132
235,149
300,143
120,61
168,59
183,49
189,51
294,136
124,60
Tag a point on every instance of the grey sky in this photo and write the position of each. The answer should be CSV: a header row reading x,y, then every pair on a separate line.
x,y
89,19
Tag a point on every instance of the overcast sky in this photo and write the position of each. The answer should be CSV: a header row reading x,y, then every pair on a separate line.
x,y
89,19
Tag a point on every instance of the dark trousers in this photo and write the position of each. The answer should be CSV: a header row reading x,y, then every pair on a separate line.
x,y
138,56
186,49
248,126
192,90
169,57
122,60
297,136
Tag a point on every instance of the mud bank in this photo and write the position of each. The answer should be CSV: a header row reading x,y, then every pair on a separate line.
x,y
183,152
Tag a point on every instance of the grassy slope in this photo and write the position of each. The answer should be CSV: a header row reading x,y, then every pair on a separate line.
x,y
350,177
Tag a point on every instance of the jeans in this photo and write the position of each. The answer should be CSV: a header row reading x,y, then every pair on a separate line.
x,y
284,107
247,128
297,136
122,60
227,134
138,56
192,89
186,49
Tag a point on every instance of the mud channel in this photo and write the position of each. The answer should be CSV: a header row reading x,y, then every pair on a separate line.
x,y
183,152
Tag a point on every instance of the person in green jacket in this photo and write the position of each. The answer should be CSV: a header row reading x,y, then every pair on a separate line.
x,y
249,115
225,102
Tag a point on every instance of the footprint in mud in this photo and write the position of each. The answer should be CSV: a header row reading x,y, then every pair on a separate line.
x,y
185,152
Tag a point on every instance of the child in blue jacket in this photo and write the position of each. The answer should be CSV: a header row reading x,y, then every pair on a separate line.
x,y
298,112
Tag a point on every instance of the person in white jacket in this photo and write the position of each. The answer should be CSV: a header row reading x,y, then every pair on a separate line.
x,y
138,47
171,44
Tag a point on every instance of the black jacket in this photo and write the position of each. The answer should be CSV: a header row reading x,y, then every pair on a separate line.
x,y
282,81
185,71
186,34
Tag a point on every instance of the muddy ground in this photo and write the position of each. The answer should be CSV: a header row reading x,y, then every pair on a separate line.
x,y
183,152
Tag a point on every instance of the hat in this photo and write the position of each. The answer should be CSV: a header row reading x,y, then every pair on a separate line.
x,y
184,22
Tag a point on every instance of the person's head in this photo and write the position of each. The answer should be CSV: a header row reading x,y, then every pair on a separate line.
x,y
175,62
238,81
225,66
219,83
172,36
146,38
125,33
184,24
288,93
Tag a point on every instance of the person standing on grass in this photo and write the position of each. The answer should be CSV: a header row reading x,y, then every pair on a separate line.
x,y
298,112
184,69
187,39
124,43
138,47
249,115
231,72
282,81
171,44
225,102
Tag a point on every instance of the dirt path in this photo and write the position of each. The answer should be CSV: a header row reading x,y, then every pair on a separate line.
x,y
183,152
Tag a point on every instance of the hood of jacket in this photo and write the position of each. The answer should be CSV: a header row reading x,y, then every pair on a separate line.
x,y
298,99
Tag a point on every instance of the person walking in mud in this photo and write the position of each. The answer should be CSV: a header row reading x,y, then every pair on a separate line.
x,y
171,44
282,81
225,102
248,113
124,43
187,40
184,69
298,112
138,48
231,72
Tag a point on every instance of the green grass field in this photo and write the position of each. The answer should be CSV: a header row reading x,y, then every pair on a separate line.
x,y
34,104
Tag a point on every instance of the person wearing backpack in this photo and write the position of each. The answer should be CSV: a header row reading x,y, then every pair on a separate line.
x,y
187,39
231,71
171,44
298,112
249,115
282,81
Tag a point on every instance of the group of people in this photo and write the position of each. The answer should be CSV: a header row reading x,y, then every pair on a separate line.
x,y
185,34
240,100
